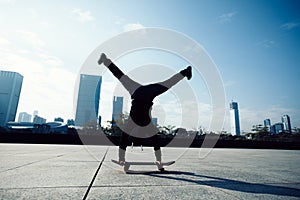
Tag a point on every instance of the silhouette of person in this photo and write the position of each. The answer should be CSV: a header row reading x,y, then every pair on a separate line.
x,y
139,124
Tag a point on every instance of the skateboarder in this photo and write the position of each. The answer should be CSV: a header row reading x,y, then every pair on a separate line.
x,y
139,125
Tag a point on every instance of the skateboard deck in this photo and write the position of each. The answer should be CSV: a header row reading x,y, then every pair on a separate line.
x,y
126,165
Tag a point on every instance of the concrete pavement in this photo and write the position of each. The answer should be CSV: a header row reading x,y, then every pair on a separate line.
x,y
76,172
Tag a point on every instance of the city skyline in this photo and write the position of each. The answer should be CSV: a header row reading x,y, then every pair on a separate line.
x,y
254,44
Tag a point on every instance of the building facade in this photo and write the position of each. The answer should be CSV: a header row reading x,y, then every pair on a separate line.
x,y
267,124
88,99
10,89
234,119
24,117
154,121
286,121
117,109
276,128
39,120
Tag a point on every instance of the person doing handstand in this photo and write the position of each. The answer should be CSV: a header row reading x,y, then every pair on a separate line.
x,y
139,124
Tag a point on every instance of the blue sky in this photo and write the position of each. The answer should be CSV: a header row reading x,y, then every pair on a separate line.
x,y
254,44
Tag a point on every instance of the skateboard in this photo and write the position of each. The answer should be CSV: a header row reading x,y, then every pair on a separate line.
x,y
126,165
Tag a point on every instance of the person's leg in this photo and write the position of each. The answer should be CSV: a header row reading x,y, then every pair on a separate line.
x,y
111,66
157,152
177,77
128,83
122,146
161,87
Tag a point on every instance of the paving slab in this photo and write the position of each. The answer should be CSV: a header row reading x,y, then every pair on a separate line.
x,y
73,172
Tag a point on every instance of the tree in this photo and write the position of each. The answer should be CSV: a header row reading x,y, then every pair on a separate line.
x,y
296,130
259,129
71,122
168,130
113,125
58,119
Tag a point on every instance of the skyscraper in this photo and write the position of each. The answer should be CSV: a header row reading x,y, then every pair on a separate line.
x,y
10,89
277,128
88,99
35,113
286,123
39,120
24,117
117,109
267,124
234,119
154,121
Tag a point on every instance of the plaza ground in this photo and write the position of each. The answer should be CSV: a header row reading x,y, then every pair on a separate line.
x,y
37,171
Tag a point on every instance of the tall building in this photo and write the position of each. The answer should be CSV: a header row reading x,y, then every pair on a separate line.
x,y
10,89
88,99
117,109
35,113
234,119
276,128
24,117
39,120
267,124
286,121
154,121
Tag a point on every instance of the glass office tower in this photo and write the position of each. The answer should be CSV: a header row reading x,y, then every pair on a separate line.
x,y
234,119
287,127
88,99
10,89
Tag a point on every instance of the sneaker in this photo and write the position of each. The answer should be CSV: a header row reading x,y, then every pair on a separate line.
x,y
189,72
122,162
102,59
159,165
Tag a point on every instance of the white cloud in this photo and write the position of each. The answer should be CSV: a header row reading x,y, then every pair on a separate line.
x,y
229,83
45,24
49,59
290,25
82,16
119,20
33,13
227,17
133,26
4,41
8,1
47,87
266,43
31,38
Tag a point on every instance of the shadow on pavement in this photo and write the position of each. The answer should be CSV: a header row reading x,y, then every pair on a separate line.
x,y
223,183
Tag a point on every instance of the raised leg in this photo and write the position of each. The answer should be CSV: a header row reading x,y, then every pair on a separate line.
x,y
128,83
177,77
161,87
